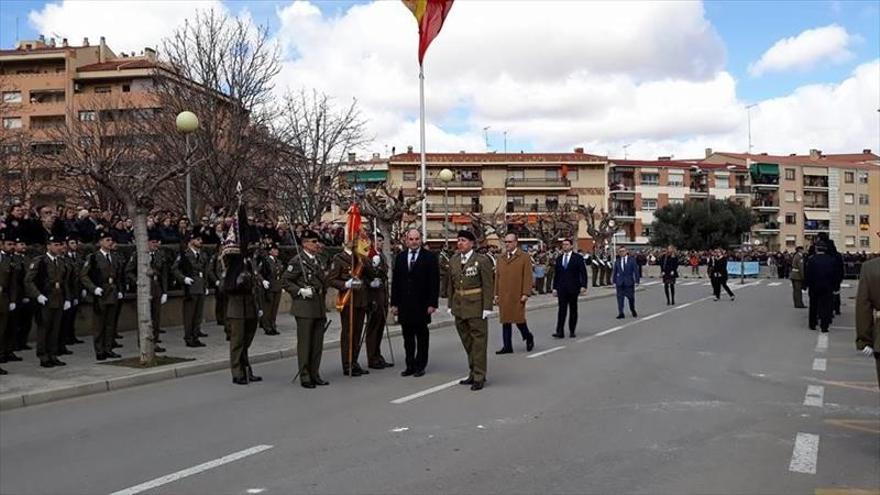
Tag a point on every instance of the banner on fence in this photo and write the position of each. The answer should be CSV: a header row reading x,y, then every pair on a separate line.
x,y
751,268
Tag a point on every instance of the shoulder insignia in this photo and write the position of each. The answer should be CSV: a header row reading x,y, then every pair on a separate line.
x,y
290,268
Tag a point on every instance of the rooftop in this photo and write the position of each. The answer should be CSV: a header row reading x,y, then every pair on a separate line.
x,y
462,157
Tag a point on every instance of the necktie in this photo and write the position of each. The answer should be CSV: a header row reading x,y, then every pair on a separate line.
x,y
412,259
509,256
108,258
565,261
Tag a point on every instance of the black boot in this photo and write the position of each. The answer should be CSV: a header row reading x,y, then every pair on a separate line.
x,y
252,377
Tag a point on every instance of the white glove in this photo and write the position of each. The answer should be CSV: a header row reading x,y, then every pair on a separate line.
x,y
486,314
353,283
206,291
163,299
449,311
260,313
187,281
42,300
868,351
66,305
306,293
99,291
25,300
376,283
376,260
120,295
266,284
217,284
83,294
11,306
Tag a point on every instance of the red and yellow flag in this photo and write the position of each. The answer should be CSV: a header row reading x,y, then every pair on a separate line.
x,y
430,15
353,225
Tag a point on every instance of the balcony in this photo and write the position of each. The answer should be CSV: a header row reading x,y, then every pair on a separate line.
x,y
767,227
816,206
764,205
531,207
537,183
815,182
458,184
765,182
454,209
627,186
699,190
743,190
624,214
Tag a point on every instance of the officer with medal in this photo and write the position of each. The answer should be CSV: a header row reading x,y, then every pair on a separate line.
x,y
305,281
47,283
471,289
157,272
350,273
101,277
191,271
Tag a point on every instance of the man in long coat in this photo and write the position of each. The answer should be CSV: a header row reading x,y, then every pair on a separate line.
x,y
513,285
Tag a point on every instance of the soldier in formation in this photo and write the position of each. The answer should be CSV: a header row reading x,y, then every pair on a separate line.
x,y
8,291
102,277
269,276
377,311
157,273
350,274
243,311
191,271
48,283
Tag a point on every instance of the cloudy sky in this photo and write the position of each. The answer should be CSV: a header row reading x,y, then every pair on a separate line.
x,y
661,78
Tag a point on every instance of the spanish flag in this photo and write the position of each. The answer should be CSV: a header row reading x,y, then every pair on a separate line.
x,y
430,15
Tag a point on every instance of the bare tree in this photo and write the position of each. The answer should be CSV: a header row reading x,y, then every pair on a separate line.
x,y
385,207
485,224
601,232
124,152
315,139
554,225
229,66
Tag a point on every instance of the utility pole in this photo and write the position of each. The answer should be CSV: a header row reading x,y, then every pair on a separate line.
x,y
505,141
486,136
625,146
749,113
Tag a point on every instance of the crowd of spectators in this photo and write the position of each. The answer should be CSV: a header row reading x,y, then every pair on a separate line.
x,y
35,224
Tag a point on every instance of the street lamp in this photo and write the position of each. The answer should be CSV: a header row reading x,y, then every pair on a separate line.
x,y
611,224
446,177
187,123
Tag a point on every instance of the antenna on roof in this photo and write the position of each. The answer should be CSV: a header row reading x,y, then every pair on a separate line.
x,y
486,136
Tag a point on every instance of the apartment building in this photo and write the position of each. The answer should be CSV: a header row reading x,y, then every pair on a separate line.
x,y
518,187
795,197
637,188
42,83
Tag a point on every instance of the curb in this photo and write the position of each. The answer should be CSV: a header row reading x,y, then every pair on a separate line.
x,y
10,402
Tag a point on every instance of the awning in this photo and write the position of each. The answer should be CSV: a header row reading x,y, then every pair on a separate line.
x,y
764,169
367,176
815,171
818,215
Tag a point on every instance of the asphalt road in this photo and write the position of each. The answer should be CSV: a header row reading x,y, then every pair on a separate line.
x,y
707,397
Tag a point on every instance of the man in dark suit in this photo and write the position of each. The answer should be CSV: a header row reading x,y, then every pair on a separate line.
x,y
415,292
625,277
821,275
717,269
569,281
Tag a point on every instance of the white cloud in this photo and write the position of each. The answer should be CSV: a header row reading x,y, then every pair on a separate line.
x,y
128,26
806,50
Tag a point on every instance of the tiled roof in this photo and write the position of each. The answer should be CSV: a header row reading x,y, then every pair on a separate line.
x,y
497,157
119,64
805,160
682,164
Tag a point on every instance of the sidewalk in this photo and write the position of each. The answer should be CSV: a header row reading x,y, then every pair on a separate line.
x,y
28,384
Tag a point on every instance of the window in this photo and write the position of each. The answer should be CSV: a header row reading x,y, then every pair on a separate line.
x,y
674,180
722,182
849,177
517,200
789,197
676,201
863,199
850,220
850,241
649,204
12,97
791,219
849,198
790,240
10,149
87,116
126,88
572,174
409,175
650,179
863,177
551,173
864,221
12,122
572,199
864,241
646,231
516,174
102,89
789,174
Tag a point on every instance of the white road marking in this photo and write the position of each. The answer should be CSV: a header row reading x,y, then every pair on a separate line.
x,y
651,317
774,284
647,284
689,284
842,328
707,284
399,429
610,330
815,396
820,364
822,342
444,386
164,480
805,453
685,305
256,490
548,351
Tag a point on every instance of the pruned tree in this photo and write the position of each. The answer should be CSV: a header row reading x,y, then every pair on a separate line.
x,y
314,138
485,224
228,65
602,231
124,152
550,227
386,207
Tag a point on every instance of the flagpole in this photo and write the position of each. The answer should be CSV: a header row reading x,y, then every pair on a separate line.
x,y
422,149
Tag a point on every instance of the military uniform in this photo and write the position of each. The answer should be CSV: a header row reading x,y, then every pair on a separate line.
x,y
193,265
157,273
219,294
471,286
8,298
269,274
797,279
242,315
377,314
103,270
352,306
47,282
22,317
444,272
67,335
595,267
306,271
